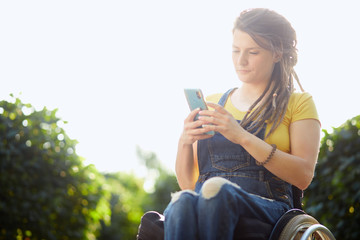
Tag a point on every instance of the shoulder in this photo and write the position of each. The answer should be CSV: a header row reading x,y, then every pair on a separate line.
x,y
302,106
299,97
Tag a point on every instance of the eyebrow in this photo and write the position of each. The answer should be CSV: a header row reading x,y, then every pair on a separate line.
x,y
250,48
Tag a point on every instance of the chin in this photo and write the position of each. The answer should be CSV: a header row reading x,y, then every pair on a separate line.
x,y
244,80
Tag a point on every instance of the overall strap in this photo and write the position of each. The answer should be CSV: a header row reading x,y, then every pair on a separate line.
x,y
225,96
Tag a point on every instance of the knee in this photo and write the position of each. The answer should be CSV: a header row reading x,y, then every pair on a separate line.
x,y
185,195
181,205
213,186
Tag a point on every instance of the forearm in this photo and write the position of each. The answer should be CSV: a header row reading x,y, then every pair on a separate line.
x,y
296,170
186,167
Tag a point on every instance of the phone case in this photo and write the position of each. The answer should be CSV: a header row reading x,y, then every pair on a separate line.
x,y
195,99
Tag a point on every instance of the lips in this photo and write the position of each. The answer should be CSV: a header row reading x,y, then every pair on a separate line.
x,y
243,71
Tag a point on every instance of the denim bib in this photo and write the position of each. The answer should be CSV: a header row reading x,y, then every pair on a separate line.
x,y
218,156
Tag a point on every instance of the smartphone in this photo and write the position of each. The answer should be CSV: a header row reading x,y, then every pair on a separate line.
x,y
195,99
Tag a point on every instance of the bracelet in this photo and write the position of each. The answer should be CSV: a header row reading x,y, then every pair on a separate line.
x,y
269,157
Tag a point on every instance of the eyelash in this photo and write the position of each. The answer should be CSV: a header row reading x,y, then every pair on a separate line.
x,y
253,53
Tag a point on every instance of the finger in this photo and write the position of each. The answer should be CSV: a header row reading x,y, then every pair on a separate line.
x,y
191,116
205,132
211,116
197,134
217,107
211,128
194,136
207,120
194,124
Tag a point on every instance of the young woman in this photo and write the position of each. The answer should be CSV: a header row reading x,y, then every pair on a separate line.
x,y
267,138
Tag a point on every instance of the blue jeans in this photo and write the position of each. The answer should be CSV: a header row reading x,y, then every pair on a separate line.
x,y
214,212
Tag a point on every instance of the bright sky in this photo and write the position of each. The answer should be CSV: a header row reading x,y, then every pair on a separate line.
x,y
116,70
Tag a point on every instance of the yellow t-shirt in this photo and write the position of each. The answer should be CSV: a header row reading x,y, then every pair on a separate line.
x,y
301,106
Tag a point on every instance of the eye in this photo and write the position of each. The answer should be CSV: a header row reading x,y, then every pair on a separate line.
x,y
254,52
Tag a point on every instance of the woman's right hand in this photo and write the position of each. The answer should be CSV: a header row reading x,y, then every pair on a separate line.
x,y
193,130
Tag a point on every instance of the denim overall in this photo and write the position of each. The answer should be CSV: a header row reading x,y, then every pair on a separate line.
x,y
220,157
247,191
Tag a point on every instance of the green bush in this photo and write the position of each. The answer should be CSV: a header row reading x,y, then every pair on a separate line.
x,y
333,198
45,191
164,182
127,200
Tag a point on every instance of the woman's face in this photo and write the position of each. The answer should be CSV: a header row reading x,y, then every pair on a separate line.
x,y
253,64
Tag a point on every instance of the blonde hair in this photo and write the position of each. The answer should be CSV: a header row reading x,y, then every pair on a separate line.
x,y
273,32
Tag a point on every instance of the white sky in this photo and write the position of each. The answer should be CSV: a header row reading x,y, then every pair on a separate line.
x,y
116,69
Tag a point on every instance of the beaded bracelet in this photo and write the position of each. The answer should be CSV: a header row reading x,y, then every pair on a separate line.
x,y
269,157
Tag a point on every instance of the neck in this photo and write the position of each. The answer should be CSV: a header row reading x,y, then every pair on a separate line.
x,y
246,95
251,91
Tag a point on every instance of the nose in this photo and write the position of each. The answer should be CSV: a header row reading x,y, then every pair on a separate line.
x,y
242,59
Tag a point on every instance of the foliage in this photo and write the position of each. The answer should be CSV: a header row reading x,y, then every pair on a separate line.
x,y
45,191
127,200
334,196
164,182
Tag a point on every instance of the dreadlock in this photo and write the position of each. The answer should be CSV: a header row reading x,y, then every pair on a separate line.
x,y
273,32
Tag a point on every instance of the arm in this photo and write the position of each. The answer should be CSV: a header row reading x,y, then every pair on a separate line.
x,y
297,168
186,166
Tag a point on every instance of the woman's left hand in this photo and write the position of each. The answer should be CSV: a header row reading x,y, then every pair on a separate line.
x,y
223,122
